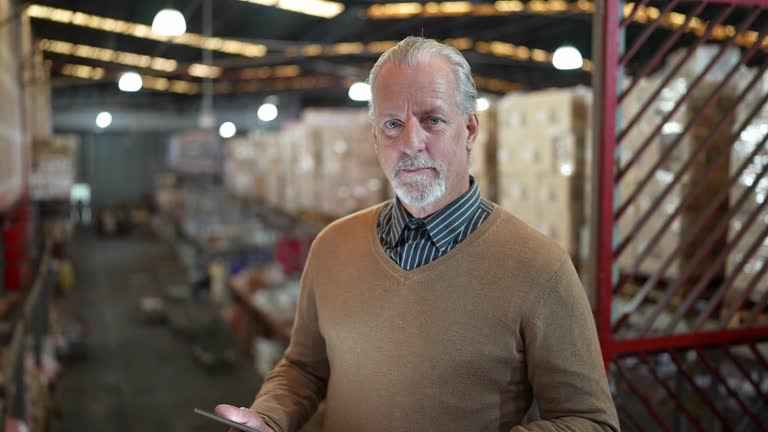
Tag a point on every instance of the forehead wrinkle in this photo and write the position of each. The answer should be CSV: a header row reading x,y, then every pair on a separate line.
x,y
433,92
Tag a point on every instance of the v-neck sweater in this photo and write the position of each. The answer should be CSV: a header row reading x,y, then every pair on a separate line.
x,y
464,343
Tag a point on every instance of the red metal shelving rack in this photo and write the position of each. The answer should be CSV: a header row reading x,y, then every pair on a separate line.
x,y
697,371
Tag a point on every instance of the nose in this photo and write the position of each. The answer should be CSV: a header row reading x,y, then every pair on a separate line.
x,y
413,138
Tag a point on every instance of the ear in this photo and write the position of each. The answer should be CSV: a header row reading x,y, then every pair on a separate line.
x,y
473,126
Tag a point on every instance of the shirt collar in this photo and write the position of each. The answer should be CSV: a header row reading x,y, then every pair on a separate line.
x,y
444,224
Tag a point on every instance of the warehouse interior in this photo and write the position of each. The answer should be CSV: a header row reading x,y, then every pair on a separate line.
x,y
166,165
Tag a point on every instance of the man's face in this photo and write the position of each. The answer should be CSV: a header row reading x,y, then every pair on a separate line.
x,y
422,138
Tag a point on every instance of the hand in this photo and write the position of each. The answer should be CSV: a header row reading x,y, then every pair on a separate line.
x,y
243,416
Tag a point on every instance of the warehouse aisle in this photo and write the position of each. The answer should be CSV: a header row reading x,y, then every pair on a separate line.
x,y
137,377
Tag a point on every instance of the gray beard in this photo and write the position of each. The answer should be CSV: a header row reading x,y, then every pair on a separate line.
x,y
420,190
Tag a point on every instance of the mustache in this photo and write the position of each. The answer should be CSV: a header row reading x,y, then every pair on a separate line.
x,y
410,162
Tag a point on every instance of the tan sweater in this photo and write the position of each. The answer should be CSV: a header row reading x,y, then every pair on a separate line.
x,y
461,344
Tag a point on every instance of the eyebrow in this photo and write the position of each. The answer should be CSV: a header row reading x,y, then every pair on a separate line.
x,y
436,109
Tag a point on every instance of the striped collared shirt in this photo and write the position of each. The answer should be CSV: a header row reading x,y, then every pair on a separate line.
x,y
413,242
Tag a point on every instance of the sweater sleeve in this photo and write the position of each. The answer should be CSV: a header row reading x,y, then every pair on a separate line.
x,y
565,366
293,390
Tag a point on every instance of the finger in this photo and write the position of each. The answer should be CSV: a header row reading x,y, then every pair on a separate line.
x,y
240,415
252,419
230,412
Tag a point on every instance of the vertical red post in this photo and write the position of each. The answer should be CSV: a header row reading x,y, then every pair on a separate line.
x,y
606,44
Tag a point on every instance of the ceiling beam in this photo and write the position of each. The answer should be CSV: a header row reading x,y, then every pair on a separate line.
x,y
142,31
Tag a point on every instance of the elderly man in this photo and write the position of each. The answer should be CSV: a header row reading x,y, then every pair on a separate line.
x,y
437,311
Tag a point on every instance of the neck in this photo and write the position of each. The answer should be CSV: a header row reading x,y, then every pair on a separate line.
x,y
421,212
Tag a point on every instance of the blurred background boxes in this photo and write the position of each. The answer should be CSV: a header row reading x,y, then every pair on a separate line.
x,y
53,167
542,161
685,153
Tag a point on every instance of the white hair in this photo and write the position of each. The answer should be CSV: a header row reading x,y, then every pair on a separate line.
x,y
415,50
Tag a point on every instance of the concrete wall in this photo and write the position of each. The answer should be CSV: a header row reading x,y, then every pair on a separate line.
x,y
120,167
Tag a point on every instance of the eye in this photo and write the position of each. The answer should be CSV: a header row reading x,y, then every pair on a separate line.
x,y
434,121
390,124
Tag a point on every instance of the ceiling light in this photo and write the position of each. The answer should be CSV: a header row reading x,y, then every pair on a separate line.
x,y
360,92
130,82
204,71
227,130
346,48
395,10
155,83
108,55
169,22
104,119
286,71
147,81
321,8
82,71
483,104
495,84
267,112
567,58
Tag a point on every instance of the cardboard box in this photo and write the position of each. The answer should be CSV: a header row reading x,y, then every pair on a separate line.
x,y
195,152
53,167
543,132
552,204
248,164
298,156
11,135
37,95
347,173
747,144
275,180
542,147
743,265
518,197
689,150
487,187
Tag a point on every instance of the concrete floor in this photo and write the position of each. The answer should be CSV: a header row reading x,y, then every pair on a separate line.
x,y
137,377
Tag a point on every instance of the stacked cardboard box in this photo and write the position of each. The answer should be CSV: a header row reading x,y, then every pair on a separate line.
x,y
742,268
483,160
53,167
298,157
37,95
53,158
630,145
195,152
350,178
246,166
661,177
542,163
274,183
11,139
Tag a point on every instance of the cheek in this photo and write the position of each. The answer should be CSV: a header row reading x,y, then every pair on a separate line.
x,y
387,158
449,149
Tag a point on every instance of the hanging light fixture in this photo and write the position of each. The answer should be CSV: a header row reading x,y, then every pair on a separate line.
x,y
227,130
360,92
130,82
267,112
483,104
169,22
104,119
567,58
